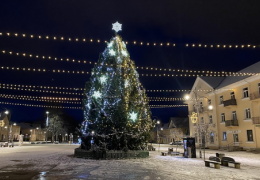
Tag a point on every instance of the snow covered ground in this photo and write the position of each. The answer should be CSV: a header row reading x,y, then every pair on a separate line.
x,y
56,162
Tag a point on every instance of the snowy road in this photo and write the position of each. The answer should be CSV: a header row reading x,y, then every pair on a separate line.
x,y
56,162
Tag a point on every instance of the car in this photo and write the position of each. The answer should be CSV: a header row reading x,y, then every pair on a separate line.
x,y
177,143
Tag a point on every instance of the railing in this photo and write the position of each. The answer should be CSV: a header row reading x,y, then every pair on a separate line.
x,y
230,102
254,95
231,122
256,120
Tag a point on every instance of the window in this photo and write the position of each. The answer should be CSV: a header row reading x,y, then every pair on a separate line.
x,y
232,95
209,101
249,135
201,120
224,136
235,137
211,138
201,107
247,113
223,119
234,115
245,93
210,119
221,99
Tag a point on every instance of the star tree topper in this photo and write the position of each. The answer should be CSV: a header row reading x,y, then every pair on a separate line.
x,y
117,27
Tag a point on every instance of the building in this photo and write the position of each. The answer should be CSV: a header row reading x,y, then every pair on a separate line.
x,y
234,121
32,132
9,131
175,130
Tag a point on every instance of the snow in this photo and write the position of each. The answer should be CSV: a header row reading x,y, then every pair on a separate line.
x,y
56,161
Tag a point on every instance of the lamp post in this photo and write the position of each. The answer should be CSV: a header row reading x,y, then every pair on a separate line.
x,y
158,138
47,118
200,126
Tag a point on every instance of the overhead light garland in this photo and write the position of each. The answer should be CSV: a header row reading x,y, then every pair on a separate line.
x,y
190,73
139,43
29,69
46,89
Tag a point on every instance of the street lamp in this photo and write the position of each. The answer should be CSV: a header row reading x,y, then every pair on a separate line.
x,y
158,139
47,119
10,133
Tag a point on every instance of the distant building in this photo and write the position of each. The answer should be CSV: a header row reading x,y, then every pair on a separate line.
x,y
175,130
9,131
32,132
234,121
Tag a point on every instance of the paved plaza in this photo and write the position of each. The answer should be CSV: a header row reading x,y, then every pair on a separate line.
x,y
56,162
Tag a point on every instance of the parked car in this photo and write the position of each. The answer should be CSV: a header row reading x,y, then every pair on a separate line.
x,y
177,143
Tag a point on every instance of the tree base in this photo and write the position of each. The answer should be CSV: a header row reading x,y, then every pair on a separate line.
x,y
89,154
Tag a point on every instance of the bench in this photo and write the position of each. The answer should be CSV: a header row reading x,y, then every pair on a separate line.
x,y
176,153
213,160
164,153
151,148
226,160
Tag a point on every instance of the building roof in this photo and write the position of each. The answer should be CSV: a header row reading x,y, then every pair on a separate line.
x,y
220,82
179,122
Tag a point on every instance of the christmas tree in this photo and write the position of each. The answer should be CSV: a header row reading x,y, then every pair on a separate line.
x,y
116,111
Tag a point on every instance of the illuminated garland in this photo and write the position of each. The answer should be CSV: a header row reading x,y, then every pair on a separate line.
x,y
47,57
42,106
62,107
140,43
143,75
33,88
72,100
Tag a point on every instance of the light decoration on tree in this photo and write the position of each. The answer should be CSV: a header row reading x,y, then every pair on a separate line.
x,y
103,79
96,94
133,116
112,52
123,102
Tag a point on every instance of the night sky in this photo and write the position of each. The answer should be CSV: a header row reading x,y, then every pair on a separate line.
x,y
234,22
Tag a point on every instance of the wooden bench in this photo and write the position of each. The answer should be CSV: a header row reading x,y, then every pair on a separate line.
x,y
164,153
213,160
226,160
176,153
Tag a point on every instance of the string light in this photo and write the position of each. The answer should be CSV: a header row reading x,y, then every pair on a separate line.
x,y
41,106
27,98
140,43
143,75
46,89
188,73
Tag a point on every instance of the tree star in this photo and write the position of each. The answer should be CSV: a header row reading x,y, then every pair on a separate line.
x,y
117,27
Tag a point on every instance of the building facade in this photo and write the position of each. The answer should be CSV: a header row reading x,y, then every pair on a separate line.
x,y
175,130
9,131
234,121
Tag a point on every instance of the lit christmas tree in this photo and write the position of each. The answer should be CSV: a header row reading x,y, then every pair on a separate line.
x,y
116,111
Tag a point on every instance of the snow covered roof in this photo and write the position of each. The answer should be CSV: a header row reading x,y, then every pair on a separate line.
x,y
220,82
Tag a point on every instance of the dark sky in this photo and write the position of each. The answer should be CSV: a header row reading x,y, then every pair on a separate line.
x,y
186,21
